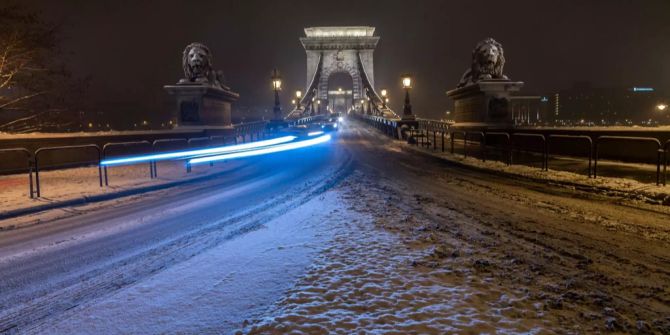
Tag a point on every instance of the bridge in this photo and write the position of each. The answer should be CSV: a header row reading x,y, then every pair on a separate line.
x,y
376,221
332,50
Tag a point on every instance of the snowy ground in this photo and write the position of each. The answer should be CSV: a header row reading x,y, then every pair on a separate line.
x,y
372,280
614,178
363,237
78,183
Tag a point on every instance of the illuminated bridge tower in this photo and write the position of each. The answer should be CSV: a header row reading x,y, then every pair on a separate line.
x,y
339,50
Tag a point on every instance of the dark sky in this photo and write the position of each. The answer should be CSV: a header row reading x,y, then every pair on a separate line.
x,y
133,48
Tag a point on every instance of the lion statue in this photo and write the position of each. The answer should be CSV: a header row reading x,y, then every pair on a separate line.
x,y
488,60
197,65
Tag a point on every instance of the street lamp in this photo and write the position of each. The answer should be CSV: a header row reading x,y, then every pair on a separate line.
x,y
407,108
311,107
661,107
276,86
298,94
384,99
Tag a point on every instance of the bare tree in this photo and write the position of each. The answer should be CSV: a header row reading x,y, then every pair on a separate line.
x,y
33,77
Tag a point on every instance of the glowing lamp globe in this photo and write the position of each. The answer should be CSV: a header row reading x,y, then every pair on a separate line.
x,y
407,82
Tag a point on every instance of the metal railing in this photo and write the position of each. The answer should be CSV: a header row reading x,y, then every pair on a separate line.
x,y
508,144
30,161
60,148
519,148
584,138
153,164
512,142
253,130
659,151
108,146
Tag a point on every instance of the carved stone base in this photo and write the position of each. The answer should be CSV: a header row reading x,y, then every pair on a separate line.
x,y
484,104
202,105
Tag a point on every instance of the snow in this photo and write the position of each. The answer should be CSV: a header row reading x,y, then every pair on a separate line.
x,y
214,291
404,245
78,183
618,186
367,282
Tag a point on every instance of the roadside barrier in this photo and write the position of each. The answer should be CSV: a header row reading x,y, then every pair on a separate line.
x,y
30,160
539,142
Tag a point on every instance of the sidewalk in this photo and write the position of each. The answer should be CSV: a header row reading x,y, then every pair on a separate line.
x,y
612,186
60,188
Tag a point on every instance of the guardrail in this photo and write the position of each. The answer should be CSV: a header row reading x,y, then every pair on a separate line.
x,y
521,148
68,147
123,144
512,142
154,164
584,138
30,161
659,151
253,130
508,144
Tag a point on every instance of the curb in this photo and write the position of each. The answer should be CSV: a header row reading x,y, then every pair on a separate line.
x,y
657,199
102,197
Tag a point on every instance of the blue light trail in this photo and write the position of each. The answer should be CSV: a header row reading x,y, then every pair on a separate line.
x,y
199,152
314,133
263,151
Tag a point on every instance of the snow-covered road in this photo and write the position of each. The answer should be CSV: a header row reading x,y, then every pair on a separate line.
x,y
358,236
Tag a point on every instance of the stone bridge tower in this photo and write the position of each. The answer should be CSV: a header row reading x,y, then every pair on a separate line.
x,y
339,49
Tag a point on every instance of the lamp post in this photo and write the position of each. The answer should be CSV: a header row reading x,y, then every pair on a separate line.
x,y
662,108
298,95
311,107
318,106
276,86
384,99
407,108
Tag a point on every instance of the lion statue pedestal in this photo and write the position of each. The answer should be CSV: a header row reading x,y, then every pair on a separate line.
x,y
482,97
202,99
484,104
202,105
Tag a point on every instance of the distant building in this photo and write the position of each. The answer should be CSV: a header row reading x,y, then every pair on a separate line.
x,y
530,110
588,105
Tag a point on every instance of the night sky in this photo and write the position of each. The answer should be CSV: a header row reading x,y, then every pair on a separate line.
x,y
132,48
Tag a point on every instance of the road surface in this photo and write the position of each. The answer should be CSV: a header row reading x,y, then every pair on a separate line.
x,y
590,261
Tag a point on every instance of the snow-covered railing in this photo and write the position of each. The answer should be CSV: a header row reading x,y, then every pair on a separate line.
x,y
536,142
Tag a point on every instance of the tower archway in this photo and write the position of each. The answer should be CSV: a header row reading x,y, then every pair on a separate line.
x,y
339,49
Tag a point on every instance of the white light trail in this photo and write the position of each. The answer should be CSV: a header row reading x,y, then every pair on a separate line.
x,y
263,151
199,152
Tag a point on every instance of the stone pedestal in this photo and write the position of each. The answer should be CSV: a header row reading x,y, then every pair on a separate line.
x,y
484,104
202,106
